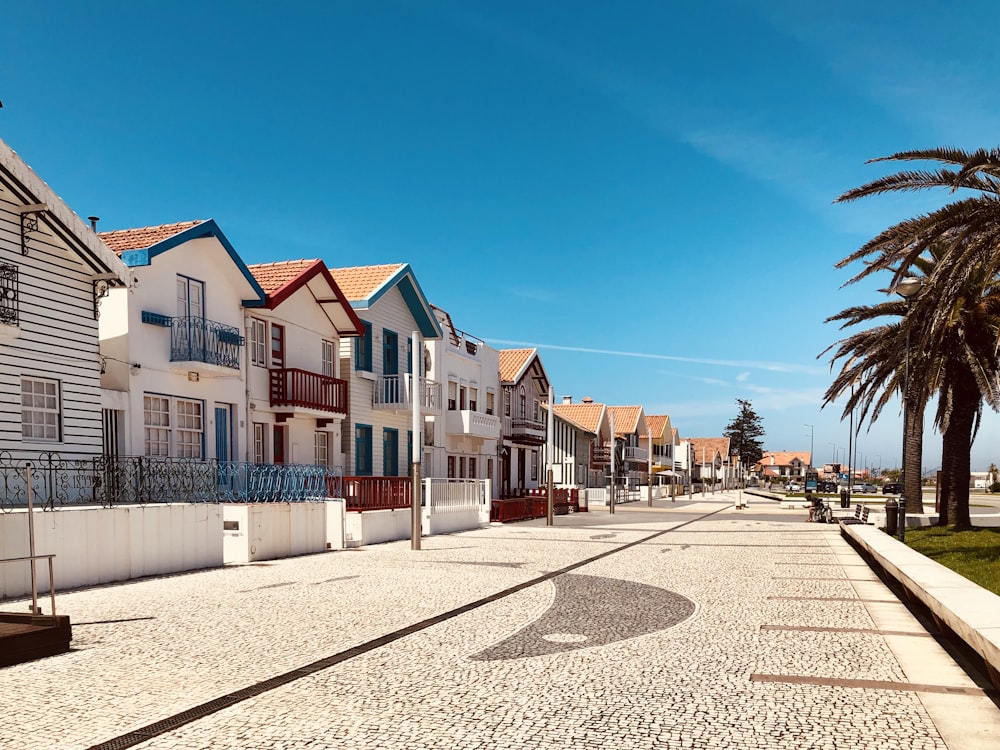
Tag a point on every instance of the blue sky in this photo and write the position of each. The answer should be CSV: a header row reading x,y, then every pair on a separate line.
x,y
643,190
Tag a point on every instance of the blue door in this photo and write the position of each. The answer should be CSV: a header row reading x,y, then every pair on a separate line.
x,y
390,452
390,367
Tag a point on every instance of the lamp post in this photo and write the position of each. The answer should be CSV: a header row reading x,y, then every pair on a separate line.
x,y
907,289
810,445
834,452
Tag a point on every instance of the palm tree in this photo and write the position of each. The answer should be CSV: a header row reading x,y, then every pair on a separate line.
x,y
871,375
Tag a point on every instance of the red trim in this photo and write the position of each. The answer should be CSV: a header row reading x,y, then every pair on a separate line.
x,y
317,268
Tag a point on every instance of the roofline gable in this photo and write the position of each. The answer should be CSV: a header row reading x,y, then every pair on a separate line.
x,y
207,228
414,298
317,269
64,222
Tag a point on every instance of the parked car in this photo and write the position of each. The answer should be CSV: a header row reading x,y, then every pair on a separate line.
x,y
793,487
892,488
866,489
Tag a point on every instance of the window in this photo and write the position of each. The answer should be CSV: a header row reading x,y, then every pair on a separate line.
x,y
506,402
473,399
327,356
363,450
40,410
461,466
258,335
190,428
173,427
190,298
490,395
363,349
489,468
321,448
451,467
522,411
156,421
390,352
452,395
536,411
258,442
390,452
277,346
472,467
534,466
462,393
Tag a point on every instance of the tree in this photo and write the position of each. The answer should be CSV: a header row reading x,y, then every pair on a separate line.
x,y
955,316
744,434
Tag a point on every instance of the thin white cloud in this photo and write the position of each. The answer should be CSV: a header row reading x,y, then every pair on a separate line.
x,y
739,363
538,295
743,377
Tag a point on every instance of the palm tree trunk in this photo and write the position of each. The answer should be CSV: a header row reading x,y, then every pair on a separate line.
x,y
956,452
913,445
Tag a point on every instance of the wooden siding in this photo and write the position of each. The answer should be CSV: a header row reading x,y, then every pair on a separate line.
x,y
389,312
58,339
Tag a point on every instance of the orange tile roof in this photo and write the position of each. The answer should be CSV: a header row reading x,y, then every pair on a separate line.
x,y
121,240
711,446
360,282
512,362
585,416
275,276
657,423
626,419
783,458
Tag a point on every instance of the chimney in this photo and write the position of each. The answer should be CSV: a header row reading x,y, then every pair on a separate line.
x,y
567,399
587,400
93,222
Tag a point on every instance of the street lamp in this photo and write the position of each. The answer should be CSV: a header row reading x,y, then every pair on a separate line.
x,y
834,452
907,289
810,444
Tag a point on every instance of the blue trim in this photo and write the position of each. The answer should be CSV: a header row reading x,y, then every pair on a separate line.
x,y
209,228
414,298
155,319
364,439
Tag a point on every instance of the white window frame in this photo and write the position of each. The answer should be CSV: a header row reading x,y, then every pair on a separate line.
x,y
321,448
173,426
328,357
258,342
41,410
259,441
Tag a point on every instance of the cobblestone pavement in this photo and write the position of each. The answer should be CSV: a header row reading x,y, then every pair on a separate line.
x,y
700,627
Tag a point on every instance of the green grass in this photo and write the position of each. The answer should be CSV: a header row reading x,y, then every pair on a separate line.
x,y
974,554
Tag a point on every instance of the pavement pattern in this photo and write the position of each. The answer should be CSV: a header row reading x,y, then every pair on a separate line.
x,y
687,625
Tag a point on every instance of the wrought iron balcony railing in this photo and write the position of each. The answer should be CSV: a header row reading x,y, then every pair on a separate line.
x,y
194,339
8,295
130,480
309,390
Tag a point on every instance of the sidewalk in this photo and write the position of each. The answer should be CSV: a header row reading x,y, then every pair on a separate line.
x,y
742,629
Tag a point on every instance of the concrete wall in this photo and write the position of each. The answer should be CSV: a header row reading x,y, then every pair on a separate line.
x,y
268,531
374,527
100,545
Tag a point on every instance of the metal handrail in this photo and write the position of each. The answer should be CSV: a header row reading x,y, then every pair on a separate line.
x,y
34,588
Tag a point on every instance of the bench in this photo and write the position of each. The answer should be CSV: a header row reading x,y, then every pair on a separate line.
x,y
860,515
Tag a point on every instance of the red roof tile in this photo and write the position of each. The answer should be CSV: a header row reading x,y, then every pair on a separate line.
x,y
626,419
585,416
121,240
360,282
512,362
275,276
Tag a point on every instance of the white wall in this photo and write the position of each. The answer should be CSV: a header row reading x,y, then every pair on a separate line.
x,y
268,531
100,545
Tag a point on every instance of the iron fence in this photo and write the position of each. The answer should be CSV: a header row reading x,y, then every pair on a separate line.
x,y
140,480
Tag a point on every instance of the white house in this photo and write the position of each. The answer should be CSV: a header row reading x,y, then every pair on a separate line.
x,y
525,385
298,398
54,274
580,443
465,440
377,365
174,382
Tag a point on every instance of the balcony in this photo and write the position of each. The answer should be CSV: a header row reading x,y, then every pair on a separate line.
x,y
393,392
599,454
472,424
309,391
194,339
524,431
636,454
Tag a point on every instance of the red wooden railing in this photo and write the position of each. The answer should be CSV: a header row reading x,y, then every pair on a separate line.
x,y
534,504
294,387
377,493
